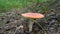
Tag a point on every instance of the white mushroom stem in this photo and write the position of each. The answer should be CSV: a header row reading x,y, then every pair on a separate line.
x,y
30,25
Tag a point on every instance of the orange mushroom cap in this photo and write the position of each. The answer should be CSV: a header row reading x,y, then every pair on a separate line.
x,y
32,15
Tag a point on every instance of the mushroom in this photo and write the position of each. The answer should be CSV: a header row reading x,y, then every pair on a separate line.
x,y
32,16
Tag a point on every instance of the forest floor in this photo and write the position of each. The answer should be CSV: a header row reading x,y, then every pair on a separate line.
x,y
11,21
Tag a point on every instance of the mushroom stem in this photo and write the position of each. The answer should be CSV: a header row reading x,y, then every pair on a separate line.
x,y
31,24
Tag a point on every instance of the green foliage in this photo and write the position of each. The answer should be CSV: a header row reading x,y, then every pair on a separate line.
x,y
7,4
12,3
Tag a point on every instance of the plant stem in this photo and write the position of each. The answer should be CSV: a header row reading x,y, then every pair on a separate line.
x,y
42,28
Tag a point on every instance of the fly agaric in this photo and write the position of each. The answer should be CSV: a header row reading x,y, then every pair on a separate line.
x,y
32,16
